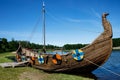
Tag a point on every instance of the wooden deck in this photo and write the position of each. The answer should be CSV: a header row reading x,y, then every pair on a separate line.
x,y
13,64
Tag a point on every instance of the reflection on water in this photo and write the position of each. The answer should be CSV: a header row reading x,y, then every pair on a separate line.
x,y
59,52
112,68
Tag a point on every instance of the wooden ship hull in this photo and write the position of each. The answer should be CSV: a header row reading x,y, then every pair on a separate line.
x,y
95,54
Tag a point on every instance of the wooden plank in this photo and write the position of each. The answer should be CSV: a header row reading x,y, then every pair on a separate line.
x,y
13,64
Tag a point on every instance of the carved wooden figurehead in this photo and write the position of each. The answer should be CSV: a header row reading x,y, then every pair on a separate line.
x,y
106,24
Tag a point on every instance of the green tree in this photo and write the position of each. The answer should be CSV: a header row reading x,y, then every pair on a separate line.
x,y
116,42
4,45
73,46
13,45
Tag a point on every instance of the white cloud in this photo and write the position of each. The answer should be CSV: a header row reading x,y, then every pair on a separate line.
x,y
90,21
96,13
35,37
73,20
10,33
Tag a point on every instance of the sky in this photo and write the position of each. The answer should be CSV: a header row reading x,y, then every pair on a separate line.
x,y
67,21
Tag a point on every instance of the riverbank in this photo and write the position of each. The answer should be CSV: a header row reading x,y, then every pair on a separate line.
x,y
116,48
29,73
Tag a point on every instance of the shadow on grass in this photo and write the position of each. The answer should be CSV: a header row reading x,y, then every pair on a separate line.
x,y
86,75
11,58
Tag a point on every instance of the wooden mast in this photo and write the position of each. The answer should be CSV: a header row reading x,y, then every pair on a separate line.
x,y
44,37
95,55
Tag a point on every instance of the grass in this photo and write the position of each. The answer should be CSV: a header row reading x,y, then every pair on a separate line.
x,y
7,57
28,73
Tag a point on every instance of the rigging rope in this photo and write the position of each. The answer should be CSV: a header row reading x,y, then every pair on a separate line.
x,y
53,17
33,31
61,21
102,67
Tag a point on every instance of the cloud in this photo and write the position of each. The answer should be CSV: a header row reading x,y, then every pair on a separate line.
x,y
94,22
96,13
21,35
14,34
73,20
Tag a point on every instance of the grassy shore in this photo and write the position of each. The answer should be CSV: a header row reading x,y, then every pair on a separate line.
x,y
7,57
29,73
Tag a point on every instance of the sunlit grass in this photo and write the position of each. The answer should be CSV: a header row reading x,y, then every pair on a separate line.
x,y
29,73
5,57
15,74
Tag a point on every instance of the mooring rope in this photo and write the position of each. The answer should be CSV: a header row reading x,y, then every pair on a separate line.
x,y
112,64
102,67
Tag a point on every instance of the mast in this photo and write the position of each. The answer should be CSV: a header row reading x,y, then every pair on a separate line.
x,y
43,11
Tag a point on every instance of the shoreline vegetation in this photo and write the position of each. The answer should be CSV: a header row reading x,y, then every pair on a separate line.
x,y
29,73
8,46
116,48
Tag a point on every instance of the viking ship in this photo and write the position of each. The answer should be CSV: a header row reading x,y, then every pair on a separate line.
x,y
81,60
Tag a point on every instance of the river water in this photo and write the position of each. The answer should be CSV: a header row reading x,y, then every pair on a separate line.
x,y
110,70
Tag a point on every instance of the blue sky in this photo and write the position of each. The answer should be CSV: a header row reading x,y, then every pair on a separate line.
x,y
67,21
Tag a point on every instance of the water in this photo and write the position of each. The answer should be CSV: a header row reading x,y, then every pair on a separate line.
x,y
111,69
59,52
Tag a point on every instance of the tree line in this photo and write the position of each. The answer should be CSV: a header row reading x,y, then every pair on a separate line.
x,y
116,42
73,46
7,46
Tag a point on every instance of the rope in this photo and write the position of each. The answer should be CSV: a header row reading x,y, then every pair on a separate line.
x,y
56,19
102,67
85,30
34,28
33,31
112,64
114,60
